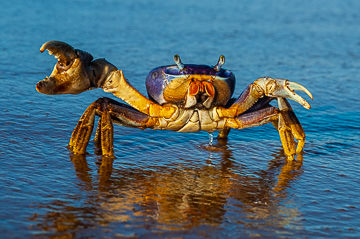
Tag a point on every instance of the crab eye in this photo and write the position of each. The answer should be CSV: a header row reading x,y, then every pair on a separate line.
x,y
178,62
221,62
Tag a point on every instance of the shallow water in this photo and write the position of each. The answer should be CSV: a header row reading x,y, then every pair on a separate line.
x,y
170,184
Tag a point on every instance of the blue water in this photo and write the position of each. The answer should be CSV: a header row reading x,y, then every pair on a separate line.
x,y
166,184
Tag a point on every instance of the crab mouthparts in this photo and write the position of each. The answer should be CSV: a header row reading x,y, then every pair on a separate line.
x,y
200,92
197,87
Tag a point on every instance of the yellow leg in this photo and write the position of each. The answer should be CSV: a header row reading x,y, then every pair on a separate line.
x,y
97,138
253,119
82,132
285,122
289,129
286,138
107,134
108,110
118,85
104,134
223,134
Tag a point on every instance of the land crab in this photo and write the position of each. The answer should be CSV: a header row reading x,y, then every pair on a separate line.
x,y
182,98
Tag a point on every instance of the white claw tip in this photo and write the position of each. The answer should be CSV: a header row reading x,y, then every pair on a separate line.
x,y
307,106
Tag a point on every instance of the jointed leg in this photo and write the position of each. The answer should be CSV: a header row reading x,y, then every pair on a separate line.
x,y
289,128
120,87
107,134
97,138
82,132
260,104
250,105
109,111
284,121
223,134
257,118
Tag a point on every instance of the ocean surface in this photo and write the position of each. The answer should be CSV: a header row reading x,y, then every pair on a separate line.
x,y
165,184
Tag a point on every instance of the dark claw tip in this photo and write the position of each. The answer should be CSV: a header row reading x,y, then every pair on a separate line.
x,y
55,45
59,49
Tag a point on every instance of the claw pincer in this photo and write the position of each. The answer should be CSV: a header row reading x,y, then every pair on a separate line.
x,y
61,50
283,88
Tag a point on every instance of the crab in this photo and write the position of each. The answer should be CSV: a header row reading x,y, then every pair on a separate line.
x,y
182,98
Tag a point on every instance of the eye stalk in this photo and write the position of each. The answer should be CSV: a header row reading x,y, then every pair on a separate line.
x,y
221,62
178,62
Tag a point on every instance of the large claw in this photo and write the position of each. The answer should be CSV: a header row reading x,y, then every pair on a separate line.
x,y
282,88
70,74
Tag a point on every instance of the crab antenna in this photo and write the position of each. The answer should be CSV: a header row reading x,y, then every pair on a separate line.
x,y
221,62
178,62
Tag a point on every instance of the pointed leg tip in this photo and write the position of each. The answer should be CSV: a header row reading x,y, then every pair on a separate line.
x,y
299,157
290,158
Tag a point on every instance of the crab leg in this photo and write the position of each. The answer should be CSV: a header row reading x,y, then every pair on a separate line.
x,y
104,133
223,134
283,119
260,104
289,128
120,87
109,112
265,86
107,134
82,132
97,138
257,118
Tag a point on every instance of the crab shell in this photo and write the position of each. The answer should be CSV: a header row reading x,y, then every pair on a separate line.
x,y
174,84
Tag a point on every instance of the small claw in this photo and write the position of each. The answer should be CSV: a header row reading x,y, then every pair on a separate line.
x,y
283,88
61,50
76,65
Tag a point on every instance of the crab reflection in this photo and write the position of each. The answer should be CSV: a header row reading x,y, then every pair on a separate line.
x,y
179,198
